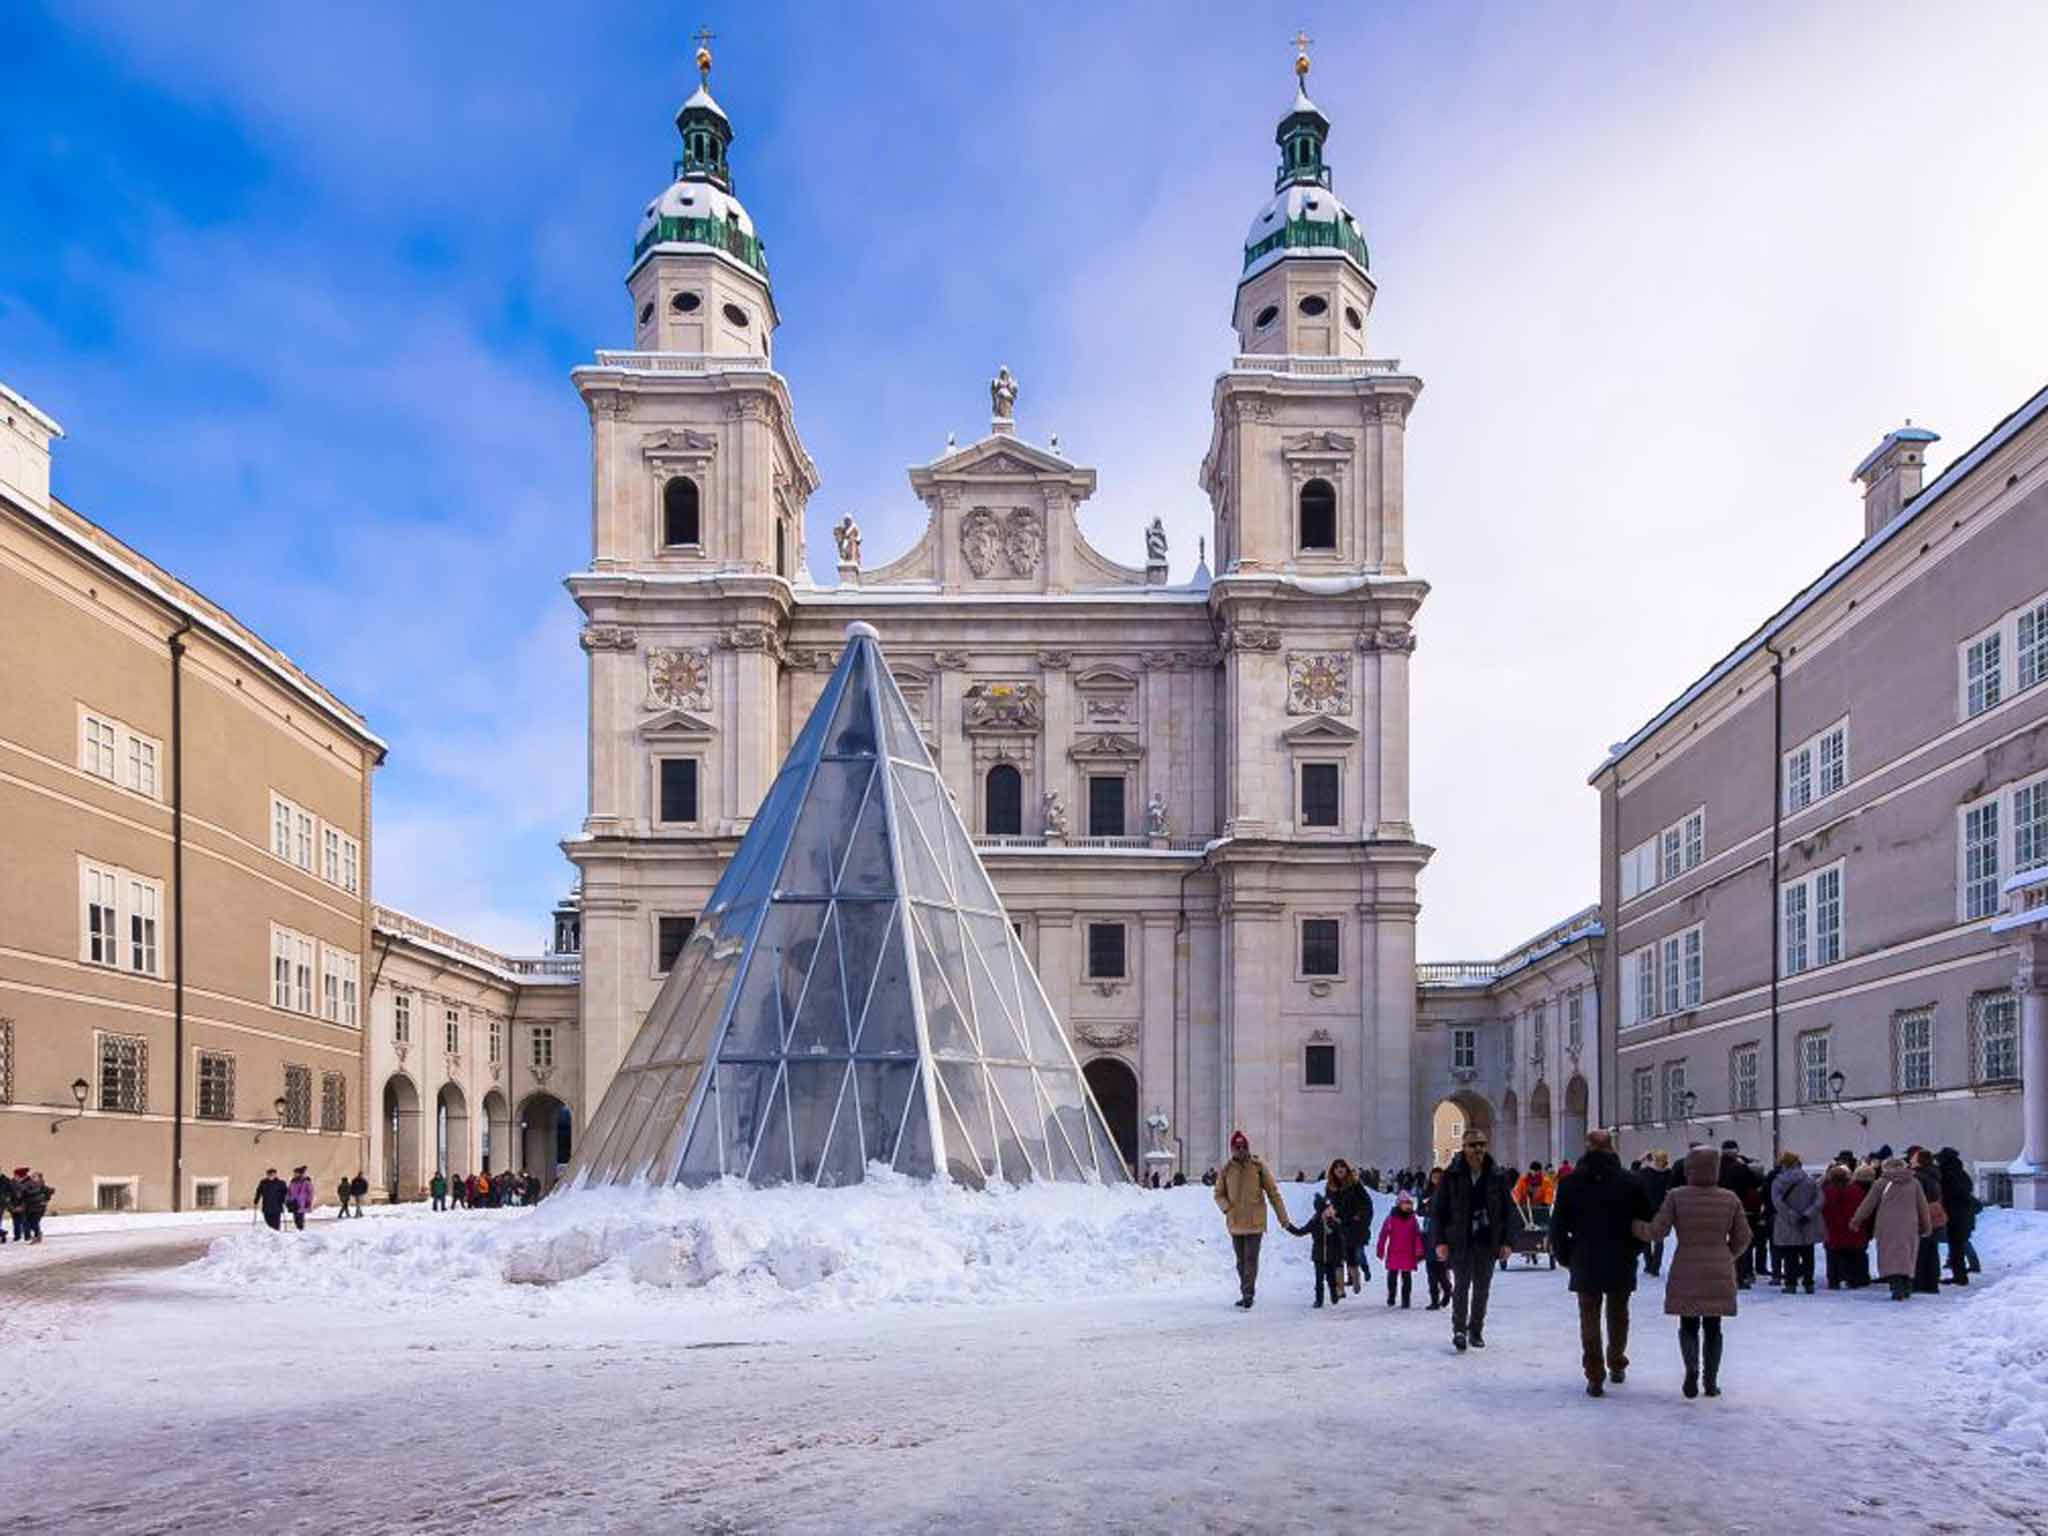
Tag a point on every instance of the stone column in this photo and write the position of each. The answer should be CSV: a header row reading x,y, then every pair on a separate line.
x,y
1392,1030
1396,642
2030,1168
1054,740
1155,1028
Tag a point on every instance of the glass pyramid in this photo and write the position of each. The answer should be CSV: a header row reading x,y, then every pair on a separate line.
x,y
853,992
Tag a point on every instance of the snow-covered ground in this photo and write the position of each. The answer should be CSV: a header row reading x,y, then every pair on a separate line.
x,y
900,1358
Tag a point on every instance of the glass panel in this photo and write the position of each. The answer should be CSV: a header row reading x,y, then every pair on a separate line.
x,y
888,1026
883,1086
742,1106
821,1015
967,1090
663,1169
767,838
1020,1130
1108,1161
914,1147
773,984
992,1021
867,869
1047,1040
961,1164
700,1162
841,1162
945,1019
901,729
970,881
810,741
771,1163
632,1116
672,1085
1059,1148
823,827
924,873
815,1089
852,732
991,939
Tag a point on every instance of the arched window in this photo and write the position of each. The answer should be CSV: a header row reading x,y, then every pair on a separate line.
x,y
679,520
781,548
1003,814
1318,515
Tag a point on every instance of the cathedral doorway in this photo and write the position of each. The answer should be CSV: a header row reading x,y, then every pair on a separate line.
x,y
1115,1087
1455,1115
499,1153
544,1138
451,1132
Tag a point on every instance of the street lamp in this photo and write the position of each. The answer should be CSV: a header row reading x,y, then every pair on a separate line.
x,y
79,1089
1837,1081
280,1106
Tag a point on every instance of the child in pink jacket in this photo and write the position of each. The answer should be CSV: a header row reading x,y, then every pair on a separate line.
x,y
1400,1248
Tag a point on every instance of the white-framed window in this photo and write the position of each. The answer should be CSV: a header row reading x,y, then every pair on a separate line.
x,y
124,1073
401,1017
2006,659
1539,1027
143,899
1680,847
1983,673
1643,1085
1639,985
1995,1038
1743,1064
280,967
1913,1051
330,854
1672,842
1575,1019
1464,1049
1817,767
100,929
1507,1044
541,1047
216,1086
1816,1060
142,765
1674,1090
351,976
1673,971
209,1194
338,976
1692,957
1811,923
1980,859
1639,869
293,833
351,864
302,973
1695,838
118,1194
119,912
2030,825
497,1040
294,975
2030,646
99,745
451,1030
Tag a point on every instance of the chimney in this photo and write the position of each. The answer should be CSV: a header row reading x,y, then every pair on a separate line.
x,y
1891,474
25,435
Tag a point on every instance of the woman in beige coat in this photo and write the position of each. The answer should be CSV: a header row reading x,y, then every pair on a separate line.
x,y
1713,1231
1897,1207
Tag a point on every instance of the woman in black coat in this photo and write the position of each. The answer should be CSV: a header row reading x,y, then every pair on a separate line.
x,y
1959,1199
1354,1214
1927,1266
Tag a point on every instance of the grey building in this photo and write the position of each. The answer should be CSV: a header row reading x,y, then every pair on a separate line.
x,y
1806,856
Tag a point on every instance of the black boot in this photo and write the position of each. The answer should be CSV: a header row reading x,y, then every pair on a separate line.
x,y
1712,1374
1689,1347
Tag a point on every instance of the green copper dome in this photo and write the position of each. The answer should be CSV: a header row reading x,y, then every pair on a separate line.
x,y
1304,217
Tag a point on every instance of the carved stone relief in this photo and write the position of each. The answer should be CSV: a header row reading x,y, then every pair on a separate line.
x,y
1004,706
606,637
1024,541
1251,637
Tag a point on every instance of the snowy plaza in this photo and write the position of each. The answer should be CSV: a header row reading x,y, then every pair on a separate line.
x,y
898,1357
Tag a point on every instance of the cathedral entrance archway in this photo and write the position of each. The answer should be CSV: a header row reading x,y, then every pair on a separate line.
x,y
451,1132
1115,1087
544,1138
400,1173
1453,1116
499,1153
1574,1124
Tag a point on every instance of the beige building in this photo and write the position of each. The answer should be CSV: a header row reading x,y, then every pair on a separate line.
x,y
1192,794
475,1056
1815,861
184,918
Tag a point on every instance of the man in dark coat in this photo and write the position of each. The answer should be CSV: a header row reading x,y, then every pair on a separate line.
x,y
358,1187
1591,1233
271,1193
1474,1222
1742,1181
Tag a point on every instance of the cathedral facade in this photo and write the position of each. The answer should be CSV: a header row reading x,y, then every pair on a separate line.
x,y
1193,796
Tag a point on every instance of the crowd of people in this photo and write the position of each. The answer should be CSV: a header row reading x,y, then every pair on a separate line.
x,y
1731,1224
24,1197
481,1191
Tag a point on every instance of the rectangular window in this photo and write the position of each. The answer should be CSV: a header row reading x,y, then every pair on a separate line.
x,y
1816,1059
302,973
142,766
124,1074
1827,915
1797,935
401,1017
1644,1084
1674,1091
1995,1043
678,789
1674,974
451,1031
671,934
1319,1066
1981,675
1539,1030
351,975
1575,1019
541,1045
209,1194
302,840
1694,961
333,1102
1106,805
1106,950
1742,1077
1833,755
1913,1051
281,827
2030,826
1639,869
102,925
1464,1050
1798,779
1695,839
1319,947
497,1045
1507,1047
330,855
1639,984
280,968
351,865
298,1097
142,911
113,1194
216,1086
330,987
1980,860
1319,807
97,747
2030,654
1674,853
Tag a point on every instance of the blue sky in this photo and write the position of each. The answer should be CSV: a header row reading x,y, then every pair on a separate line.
x,y
305,290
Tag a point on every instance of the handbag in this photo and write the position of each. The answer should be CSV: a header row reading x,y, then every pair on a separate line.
x,y
1937,1215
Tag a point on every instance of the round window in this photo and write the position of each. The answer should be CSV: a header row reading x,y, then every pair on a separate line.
x,y
1314,304
685,303
646,313
734,315
1267,316
1353,318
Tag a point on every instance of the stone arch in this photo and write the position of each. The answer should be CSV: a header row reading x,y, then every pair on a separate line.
x,y
1115,1087
1537,1133
1002,812
1318,515
1572,1132
398,1171
498,1151
681,513
1507,1141
1455,1114
451,1131
545,1133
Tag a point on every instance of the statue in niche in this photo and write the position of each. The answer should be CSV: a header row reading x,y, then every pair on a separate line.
x,y
1155,815
1155,543
1002,395
1055,814
846,534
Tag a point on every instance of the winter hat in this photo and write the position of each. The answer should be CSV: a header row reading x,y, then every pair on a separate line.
x,y
21,1173
1239,1139
1404,1201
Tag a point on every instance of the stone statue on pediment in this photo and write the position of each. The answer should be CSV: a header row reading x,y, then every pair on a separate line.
x,y
846,534
1155,542
1002,395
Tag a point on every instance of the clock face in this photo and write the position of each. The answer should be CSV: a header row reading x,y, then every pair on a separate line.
x,y
680,678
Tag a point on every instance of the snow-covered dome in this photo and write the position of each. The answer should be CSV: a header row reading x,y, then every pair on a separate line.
x,y
1304,217
692,198
699,208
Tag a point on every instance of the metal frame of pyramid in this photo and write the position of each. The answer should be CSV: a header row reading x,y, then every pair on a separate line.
x,y
853,991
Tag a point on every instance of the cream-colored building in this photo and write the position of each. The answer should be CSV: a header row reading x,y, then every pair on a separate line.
x,y
185,859
1192,794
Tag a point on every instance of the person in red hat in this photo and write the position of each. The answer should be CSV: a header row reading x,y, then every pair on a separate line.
x,y
1243,1191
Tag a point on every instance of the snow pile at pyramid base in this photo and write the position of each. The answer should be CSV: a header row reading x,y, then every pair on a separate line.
x,y
887,1240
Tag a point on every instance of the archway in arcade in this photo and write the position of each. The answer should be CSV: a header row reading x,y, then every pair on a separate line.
x,y
399,1174
544,1138
451,1132
1538,1130
1573,1126
1115,1087
499,1153
1453,1116
1507,1141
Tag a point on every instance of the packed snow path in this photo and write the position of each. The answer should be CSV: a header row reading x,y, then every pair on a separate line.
x,y
203,1399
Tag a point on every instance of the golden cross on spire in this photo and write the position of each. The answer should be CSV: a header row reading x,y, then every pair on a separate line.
x,y
703,40
1301,42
